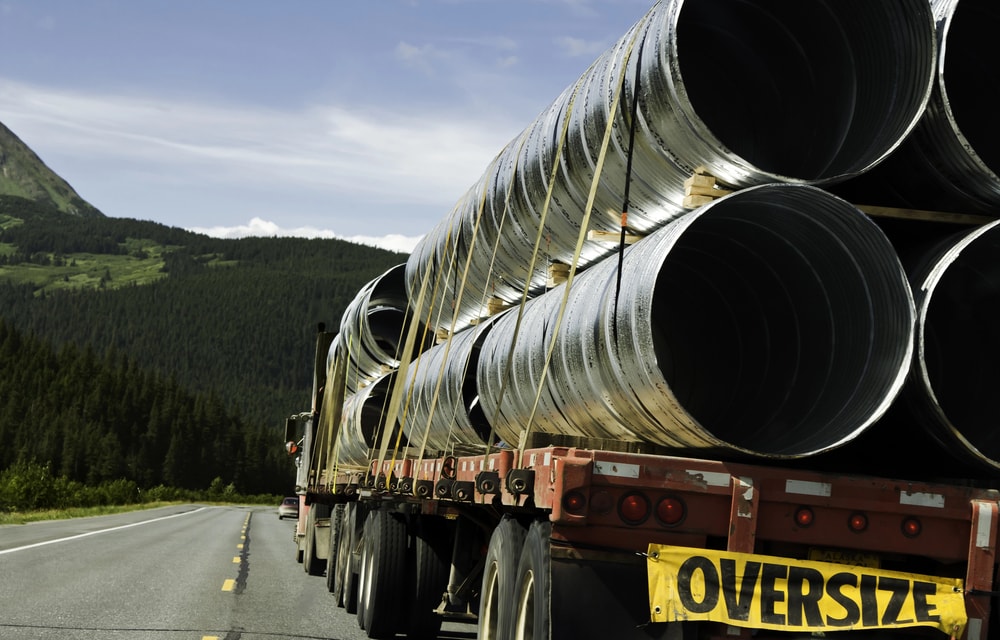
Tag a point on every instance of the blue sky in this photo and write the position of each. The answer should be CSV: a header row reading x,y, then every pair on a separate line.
x,y
349,118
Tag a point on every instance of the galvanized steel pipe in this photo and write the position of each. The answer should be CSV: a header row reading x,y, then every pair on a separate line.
x,y
442,399
363,421
372,329
756,92
777,321
956,374
951,161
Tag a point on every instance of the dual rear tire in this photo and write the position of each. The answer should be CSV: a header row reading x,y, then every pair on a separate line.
x,y
514,600
390,562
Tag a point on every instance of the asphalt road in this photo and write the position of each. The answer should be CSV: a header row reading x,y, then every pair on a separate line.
x,y
185,572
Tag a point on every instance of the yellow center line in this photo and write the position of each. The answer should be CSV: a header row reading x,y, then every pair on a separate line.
x,y
239,546
228,585
236,559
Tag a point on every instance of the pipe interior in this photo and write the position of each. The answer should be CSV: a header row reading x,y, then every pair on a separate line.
x,y
971,57
961,339
766,324
386,326
806,89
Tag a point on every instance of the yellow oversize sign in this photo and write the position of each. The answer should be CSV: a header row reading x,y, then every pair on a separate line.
x,y
767,592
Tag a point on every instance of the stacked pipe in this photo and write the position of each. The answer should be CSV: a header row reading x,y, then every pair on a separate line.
x,y
371,332
956,374
372,329
443,408
944,423
774,322
363,422
754,92
951,162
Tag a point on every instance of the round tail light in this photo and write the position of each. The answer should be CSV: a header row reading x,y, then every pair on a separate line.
x,y
633,508
574,502
911,527
670,511
858,522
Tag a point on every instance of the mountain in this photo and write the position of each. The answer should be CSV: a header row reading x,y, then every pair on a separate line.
x,y
137,351
23,174
233,317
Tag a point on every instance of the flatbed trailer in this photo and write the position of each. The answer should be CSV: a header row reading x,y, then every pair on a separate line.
x,y
588,526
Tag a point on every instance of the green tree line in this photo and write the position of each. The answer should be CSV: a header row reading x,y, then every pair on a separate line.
x,y
234,316
99,419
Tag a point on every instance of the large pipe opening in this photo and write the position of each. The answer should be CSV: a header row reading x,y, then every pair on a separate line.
x,y
777,321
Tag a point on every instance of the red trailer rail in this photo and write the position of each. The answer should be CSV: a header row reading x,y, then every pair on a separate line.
x,y
603,510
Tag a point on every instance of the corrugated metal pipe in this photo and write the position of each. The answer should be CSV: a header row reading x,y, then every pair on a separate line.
x,y
372,329
951,161
363,421
442,399
776,321
956,374
755,92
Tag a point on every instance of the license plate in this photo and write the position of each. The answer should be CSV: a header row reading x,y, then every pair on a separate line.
x,y
839,556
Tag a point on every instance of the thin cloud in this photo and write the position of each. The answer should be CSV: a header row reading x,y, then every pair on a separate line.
x,y
399,159
577,47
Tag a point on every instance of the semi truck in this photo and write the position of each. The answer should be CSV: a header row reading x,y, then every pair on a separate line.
x,y
708,352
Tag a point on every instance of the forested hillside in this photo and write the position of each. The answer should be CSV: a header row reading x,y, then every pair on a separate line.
x,y
96,418
234,316
232,321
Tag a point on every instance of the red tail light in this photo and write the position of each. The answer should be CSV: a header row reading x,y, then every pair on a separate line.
x,y
858,522
670,511
574,502
804,516
634,508
911,527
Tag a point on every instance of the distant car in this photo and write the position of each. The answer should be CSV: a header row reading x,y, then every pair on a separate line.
x,y
289,507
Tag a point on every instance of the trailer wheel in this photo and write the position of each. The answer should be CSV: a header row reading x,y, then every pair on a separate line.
x,y
431,564
383,574
349,593
333,577
307,552
531,619
312,564
364,594
496,604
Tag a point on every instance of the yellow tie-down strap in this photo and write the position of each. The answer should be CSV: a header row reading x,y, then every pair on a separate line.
x,y
767,592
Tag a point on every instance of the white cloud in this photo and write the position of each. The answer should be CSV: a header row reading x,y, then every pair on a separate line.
x,y
577,47
397,162
267,229
420,58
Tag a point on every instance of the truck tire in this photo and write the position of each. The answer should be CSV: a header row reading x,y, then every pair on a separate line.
x,y
531,590
349,595
313,564
431,564
307,549
496,604
384,575
343,554
365,552
333,577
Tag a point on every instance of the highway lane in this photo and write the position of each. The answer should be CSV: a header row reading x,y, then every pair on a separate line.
x,y
189,572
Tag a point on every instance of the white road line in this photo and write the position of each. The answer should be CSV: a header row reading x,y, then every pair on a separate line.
x,y
94,533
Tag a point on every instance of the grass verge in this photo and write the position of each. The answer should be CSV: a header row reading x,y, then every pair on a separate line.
x,y
24,517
